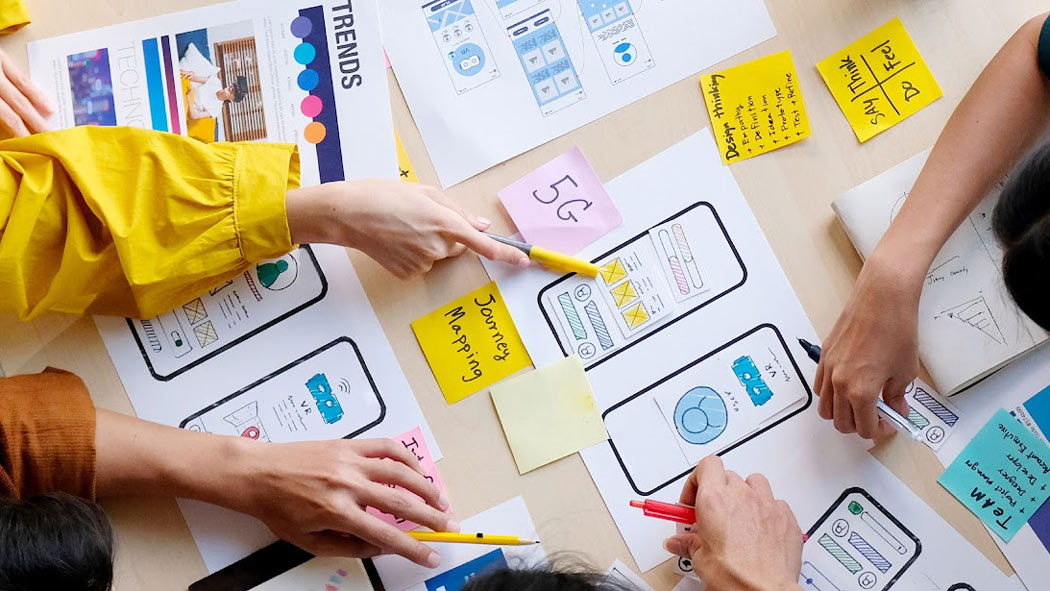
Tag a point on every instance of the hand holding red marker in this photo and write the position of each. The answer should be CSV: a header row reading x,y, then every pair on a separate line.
x,y
672,512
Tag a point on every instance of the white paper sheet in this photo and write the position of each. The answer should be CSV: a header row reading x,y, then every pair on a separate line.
x,y
968,325
489,79
508,518
808,462
621,573
301,324
129,74
333,574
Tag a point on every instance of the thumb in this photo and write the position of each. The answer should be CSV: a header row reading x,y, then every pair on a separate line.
x,y
684,545
893,394
491,249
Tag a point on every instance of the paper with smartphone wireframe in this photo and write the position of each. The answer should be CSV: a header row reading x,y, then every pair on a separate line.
x,y
291,349
487,80
734,340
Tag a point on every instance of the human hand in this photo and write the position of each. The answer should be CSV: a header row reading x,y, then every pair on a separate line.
x,y
743,538
23,106
314,494
406,227
873,348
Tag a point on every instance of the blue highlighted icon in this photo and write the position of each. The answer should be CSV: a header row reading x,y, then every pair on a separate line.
x,y
747,372
308,79
625,54
468,59
700,415
304,53
327,404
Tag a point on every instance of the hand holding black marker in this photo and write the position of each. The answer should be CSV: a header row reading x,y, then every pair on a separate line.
x,y
886,411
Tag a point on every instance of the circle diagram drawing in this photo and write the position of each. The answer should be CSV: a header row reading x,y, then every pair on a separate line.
x,y
700,415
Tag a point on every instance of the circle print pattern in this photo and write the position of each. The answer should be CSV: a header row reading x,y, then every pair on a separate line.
x,y
700,415
308,80
301,27
315,132
311,106
304,53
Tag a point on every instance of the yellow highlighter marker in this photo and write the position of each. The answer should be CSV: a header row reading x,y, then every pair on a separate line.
x,y
549,258
478,538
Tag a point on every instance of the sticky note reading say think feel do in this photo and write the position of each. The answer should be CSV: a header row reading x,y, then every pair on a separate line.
x,y
471,343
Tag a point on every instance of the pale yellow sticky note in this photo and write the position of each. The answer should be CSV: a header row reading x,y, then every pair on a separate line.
x,y
879,80
408,172
755,107
471,343
548,414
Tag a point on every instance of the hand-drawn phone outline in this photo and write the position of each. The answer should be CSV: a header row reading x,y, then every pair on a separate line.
x,y
644,234
304,358
858,490
798,375
168,377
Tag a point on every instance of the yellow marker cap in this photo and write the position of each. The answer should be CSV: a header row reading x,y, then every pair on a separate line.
x,y
563,262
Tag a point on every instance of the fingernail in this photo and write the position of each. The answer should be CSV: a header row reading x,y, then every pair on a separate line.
x,y
434,560
523,261
484,221
443,502
673,546
453,526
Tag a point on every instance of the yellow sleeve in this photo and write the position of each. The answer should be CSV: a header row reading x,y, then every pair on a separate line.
x,y
131,222
13,15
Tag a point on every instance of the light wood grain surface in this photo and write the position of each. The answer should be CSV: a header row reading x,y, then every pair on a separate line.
x,y
790,191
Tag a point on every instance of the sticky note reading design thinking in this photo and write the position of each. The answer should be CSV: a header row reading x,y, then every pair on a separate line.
x,y
561,205
415,442
548,414
755,107
1002,475
879,80
471,343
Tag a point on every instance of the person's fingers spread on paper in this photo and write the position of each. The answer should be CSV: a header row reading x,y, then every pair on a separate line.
x,y
743,538
333,544
872,348
24,105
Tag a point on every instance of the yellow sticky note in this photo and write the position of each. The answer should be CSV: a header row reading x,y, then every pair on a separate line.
x,y
879,80
408,172
471,343
755,107
548,414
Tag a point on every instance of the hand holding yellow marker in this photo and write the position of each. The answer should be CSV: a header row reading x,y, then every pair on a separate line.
x,y
478,538
549,258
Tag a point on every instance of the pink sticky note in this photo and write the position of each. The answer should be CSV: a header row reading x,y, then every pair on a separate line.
x,y
561,205
417,444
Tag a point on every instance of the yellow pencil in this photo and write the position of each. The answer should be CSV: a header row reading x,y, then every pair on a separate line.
x,y
478,538
549,258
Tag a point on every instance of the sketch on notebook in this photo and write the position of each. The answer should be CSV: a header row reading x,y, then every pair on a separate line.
x,y
977,314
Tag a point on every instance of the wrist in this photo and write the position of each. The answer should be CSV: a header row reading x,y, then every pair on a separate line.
x,y
314,214
216,472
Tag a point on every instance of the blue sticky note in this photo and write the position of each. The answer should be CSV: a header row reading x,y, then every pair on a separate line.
x,y
454,579
1003,475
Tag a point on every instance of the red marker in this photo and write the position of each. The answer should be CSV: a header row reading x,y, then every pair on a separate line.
x,y
672,512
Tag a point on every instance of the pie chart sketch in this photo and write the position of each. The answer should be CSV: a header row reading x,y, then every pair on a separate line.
x,y
700,415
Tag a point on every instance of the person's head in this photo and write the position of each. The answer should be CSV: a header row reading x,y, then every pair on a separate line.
x,y
563,574
55,541
234,92
1022,224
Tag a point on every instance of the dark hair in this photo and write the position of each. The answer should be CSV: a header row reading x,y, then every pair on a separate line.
x,y
55,541
563,574
240,88
1022,224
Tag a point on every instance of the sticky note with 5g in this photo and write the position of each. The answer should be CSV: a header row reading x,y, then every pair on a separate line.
x,y
471,343
755,107
879,80
561,205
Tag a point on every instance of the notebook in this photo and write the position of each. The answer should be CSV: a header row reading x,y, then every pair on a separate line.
x,y
969,327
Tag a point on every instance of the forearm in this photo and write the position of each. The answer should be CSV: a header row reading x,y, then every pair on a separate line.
x,y
1001,116
137,457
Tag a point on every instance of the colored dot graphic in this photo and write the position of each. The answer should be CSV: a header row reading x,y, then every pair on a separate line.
x,y
315,132
308,80
304,53
311,106
301,27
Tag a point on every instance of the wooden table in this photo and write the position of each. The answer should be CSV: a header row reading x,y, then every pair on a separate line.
x,y
789,190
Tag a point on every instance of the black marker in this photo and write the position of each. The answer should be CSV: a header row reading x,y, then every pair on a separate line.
x,y
885,411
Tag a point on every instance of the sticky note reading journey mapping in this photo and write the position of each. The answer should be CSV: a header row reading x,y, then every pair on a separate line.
x,y
471,343
415,442
879,80
1002,476
548,414
755,107
561,205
